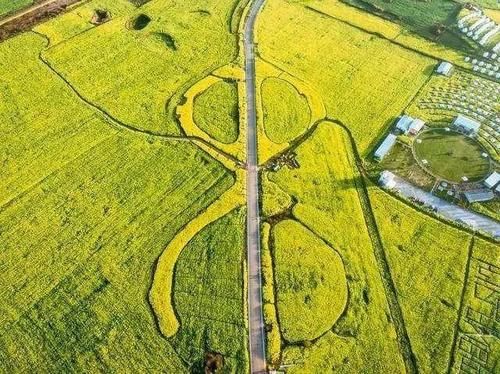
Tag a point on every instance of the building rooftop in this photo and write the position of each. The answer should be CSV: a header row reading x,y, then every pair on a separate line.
x,y
467,123
385,147
444,68
492,180
479,195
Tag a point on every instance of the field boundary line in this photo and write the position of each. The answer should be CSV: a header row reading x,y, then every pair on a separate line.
x,y
451,360
122,125
381,258
373,33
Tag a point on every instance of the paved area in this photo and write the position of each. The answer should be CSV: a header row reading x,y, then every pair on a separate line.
x,y
256,320
449,210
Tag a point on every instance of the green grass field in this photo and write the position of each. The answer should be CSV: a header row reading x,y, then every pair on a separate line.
x,y
400,160
451,155
311,287
286,113
216,112
364,80
420,17
9,6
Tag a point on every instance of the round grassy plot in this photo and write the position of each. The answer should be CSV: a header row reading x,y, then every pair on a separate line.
x,y
451,156
286,112
311,285
216,112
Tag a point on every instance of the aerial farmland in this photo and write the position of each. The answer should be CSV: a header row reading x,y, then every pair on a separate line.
x,y
249,186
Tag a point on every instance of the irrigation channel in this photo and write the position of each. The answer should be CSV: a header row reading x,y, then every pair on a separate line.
x,y
255,315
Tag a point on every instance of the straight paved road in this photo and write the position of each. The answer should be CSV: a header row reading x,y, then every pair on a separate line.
x,y
449,210
256,320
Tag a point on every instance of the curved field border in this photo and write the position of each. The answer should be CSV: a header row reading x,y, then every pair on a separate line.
x,y
297,101
185,111
439,177
160,294
273,334
267,148
337,272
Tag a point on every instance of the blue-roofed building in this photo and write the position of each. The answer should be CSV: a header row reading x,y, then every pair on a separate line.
x,y
385,147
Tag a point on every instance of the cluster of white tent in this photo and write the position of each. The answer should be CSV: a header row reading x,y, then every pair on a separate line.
x,y
479,27
490,68
469,96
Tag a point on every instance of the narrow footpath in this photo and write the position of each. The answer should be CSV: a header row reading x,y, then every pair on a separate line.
x,y
23,12
255,315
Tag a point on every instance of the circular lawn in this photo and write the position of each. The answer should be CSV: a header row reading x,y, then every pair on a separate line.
x,y
451,156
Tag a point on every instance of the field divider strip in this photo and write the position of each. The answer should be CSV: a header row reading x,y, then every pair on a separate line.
x,y
381,258
201,143
451,360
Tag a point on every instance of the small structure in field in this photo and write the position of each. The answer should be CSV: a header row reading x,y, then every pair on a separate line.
x,y
416,126
445,68
385,147
100,16
492,180
478,196
404,123
409,125
466,125
387,179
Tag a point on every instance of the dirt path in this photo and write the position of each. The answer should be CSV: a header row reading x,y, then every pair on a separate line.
x,y
26,11
27,18
255,315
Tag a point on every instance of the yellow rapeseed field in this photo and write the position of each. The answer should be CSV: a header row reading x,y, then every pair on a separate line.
x,y
364,80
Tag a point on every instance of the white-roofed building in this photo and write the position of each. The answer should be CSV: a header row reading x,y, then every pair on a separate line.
x,y
478,196
445,68
416,125
492,180
387,179
466,124
409,125
404,123
385,147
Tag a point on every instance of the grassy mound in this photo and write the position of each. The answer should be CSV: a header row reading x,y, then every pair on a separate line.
x,y
310,281
451,155
7,7
166,39
286,113
208,294
216,112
